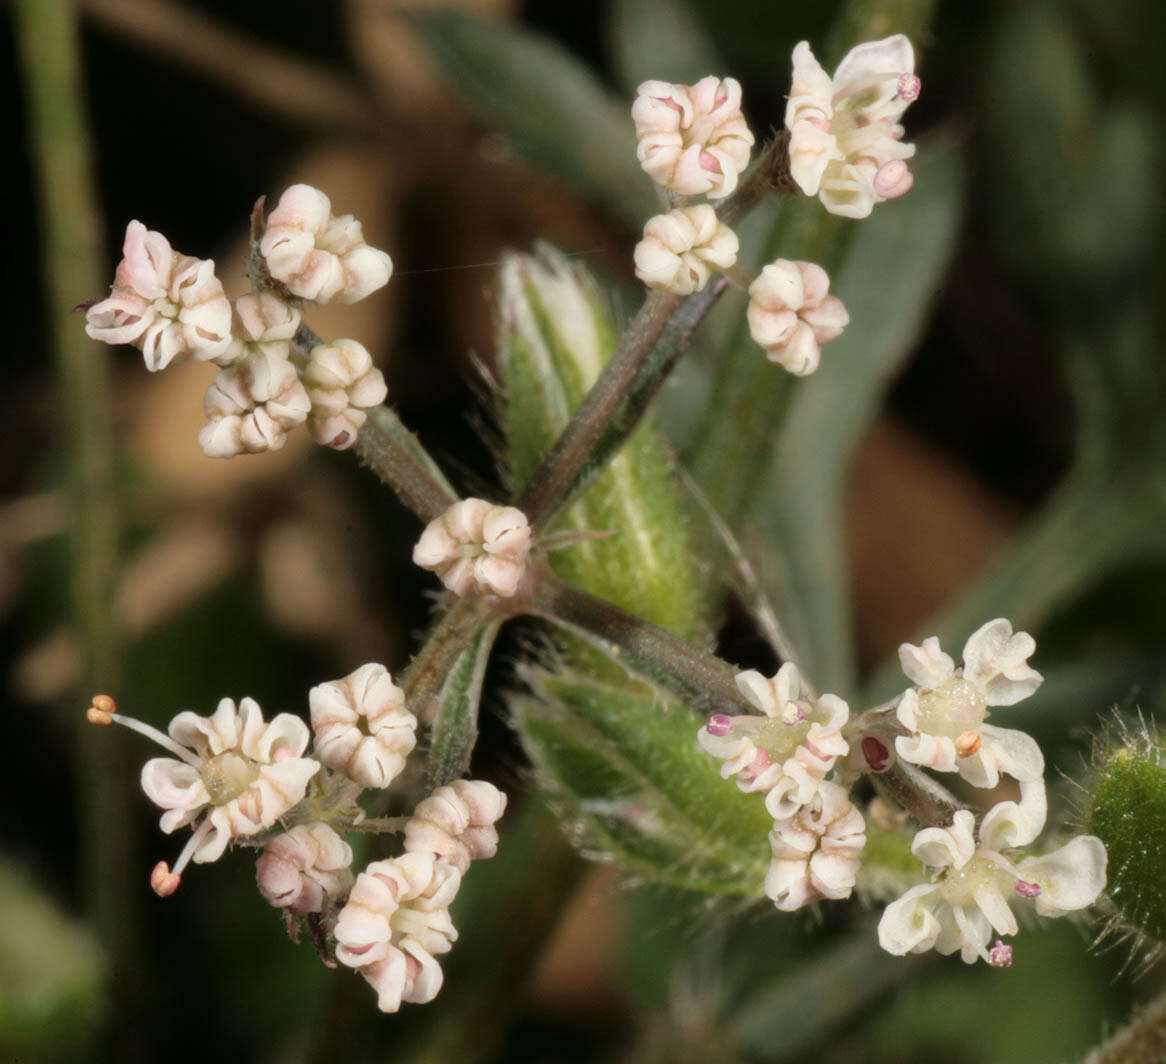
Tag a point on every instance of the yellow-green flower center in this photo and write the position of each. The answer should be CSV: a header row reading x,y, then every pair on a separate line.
x,y
954,707
228,775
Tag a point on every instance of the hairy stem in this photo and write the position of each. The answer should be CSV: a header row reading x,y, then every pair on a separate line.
x,y
614,406
702,681
395,454
50,52
769,175
1142,1041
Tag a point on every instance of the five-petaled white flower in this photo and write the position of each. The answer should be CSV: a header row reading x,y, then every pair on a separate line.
x,y
787,752
692,139
945,714
845,141
476,546
791,314
972,882
362,726
816,852
303,868
395,921
169,306
239,771
681,249
456,823
317,255
342,384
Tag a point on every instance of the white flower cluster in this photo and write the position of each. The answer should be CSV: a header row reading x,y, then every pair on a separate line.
x,y
173,308
788,750
235,778
476,547
973,870
694,140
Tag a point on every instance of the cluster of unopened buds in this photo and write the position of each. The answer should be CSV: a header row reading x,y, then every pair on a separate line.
x,y
974,864
238,780
173,308
845,146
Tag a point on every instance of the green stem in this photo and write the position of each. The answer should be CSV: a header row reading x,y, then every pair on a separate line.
x,y
453,633
395,454
49,47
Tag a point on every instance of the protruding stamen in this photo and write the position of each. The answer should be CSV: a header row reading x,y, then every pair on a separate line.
x,y
1000,955
909,87
967,744
148,730
875,752
1026,889
163,881
719,724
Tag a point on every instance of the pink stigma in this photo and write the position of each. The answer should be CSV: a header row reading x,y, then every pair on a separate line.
x,y
1000,955
1026,889
719,724
909,87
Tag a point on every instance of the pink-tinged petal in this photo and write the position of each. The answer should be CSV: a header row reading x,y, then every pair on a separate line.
x,y
147,261
930,751
301,207
1070,878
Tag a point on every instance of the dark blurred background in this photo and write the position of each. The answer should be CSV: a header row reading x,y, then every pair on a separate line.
x,y
1039,364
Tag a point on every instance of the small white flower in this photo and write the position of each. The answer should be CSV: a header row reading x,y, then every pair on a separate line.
x,y
692,139
395,921
342,384
317,255
791,314
476,546
845,141
786,753
681,249
456,823
239,771
971,883
816,853
362,726
304,868
262,324
945,714
252,405
169,306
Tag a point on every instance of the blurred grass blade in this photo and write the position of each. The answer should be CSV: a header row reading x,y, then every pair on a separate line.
x,y
553,110
455,727
892,269
52,974
660,40
780,1020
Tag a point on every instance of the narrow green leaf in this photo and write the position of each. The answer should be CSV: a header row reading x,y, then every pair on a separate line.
x,y
628,767
455,727
554,338
553,110
661,40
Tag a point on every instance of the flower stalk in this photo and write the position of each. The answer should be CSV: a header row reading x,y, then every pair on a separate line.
x,y
394,453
